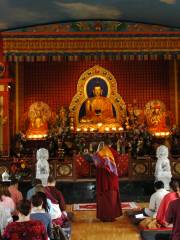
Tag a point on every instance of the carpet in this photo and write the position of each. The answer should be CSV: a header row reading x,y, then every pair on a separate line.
x,y
92,206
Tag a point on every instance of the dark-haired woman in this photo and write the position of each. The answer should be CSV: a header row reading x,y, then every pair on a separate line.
x,y
39,213
25,228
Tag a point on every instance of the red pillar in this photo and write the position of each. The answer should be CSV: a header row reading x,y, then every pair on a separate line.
x,y
4,104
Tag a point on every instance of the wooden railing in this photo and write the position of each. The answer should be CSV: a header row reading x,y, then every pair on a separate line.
x,y
141,168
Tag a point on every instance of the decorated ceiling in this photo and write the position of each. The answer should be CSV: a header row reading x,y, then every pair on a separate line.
x,y
16,14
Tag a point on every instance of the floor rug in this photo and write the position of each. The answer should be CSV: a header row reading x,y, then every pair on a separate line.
x,y
92,206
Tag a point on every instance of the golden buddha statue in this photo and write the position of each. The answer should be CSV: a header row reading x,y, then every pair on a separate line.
x,y
39,114
99,109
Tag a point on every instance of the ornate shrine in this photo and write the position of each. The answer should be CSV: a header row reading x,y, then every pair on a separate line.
x,y
70,90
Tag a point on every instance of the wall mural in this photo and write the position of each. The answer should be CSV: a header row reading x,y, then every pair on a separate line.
x,y
16,14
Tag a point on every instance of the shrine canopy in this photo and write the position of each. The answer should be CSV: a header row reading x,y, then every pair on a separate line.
x,y
17,14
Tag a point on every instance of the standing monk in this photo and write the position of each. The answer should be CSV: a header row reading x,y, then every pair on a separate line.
x,y
107,185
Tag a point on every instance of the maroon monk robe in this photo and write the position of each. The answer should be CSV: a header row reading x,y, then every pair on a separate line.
x,y
107,195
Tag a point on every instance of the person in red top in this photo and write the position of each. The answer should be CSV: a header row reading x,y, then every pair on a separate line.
x,y
171,196
56,197
173,217
24,228
54,194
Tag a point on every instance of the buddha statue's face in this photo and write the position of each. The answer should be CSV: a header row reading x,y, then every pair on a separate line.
x,y
97,91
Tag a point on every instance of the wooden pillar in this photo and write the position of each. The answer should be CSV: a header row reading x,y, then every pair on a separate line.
x,y
4,104
4,114
174,104
176,92
17,96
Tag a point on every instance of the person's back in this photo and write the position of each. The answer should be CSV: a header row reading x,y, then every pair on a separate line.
x,y
31,230
16,195
158,196
32,191
156,199
44,217
173,216
5,198
54,194
57,201
5,218
39,213
174,185
25,228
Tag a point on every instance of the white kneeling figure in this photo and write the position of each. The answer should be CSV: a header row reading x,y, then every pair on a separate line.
x,y
163,168
42,166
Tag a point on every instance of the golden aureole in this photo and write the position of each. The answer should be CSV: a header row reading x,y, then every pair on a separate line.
x,y
97,106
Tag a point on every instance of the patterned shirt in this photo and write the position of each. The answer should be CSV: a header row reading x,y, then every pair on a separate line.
x,y
29,230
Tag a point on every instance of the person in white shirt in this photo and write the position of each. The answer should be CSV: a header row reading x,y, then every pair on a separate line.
x,y
155,199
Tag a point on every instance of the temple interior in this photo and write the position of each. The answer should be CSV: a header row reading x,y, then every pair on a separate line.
x,y
72,84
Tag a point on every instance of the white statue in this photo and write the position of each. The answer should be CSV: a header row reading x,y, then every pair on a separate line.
x,y
42,167
163,168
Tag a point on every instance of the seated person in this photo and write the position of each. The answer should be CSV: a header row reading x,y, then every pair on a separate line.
x,y
173,217
5,218
39,213
171,196
5,199
25,228
99,109
155,199
32,190
56,197
160,221
16,195
51,207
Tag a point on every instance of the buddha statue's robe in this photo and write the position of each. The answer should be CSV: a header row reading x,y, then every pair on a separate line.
x,y
98,109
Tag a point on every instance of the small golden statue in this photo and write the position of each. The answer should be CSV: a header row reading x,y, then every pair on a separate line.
x,y
99,109
63,116
155,113
39,114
